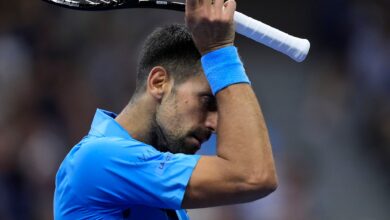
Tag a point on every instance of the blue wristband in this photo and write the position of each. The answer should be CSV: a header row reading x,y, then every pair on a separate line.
x,y
223,68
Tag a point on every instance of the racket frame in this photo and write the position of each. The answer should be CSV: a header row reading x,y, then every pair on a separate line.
x,y
119,4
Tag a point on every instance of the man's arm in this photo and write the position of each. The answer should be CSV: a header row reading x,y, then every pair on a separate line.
x,y
243,169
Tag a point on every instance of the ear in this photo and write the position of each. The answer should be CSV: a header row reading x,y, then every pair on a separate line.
x,y
159,82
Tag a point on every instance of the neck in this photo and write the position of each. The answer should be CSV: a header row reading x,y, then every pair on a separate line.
x,y
137,119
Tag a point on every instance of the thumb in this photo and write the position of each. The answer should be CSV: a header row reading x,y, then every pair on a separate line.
x,y
230,7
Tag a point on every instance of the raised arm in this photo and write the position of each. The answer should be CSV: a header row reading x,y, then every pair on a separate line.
x,y
243,169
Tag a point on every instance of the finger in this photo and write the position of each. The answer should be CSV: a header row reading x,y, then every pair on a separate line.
x,y
207,7
208,4
192,4
218,7
230,8
218,4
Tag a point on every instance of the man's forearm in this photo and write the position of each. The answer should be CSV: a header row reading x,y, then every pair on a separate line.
x,y
243,169
243,137
242,133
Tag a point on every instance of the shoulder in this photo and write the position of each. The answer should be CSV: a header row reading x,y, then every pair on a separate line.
x,y
114,146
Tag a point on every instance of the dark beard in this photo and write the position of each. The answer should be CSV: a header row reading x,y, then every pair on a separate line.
x,y
165,141
162,141
158,139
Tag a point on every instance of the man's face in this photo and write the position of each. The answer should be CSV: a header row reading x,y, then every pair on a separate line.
x,y
186,117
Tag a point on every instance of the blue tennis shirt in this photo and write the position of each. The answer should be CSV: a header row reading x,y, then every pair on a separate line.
x,y
109,175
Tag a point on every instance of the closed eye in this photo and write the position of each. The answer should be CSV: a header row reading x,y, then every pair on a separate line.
x,y
209,103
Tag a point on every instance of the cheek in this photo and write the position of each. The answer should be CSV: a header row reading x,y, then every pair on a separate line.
x,y
190,112
172,119
181,115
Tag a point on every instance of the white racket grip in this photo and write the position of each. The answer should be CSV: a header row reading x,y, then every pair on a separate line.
x,y
294,47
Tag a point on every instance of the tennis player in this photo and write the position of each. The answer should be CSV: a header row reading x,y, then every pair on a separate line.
x,y
141,165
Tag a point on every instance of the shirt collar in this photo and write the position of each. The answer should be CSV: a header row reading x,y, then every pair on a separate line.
x,y
103,124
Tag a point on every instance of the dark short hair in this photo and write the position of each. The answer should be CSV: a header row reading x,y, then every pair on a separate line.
x,y
171,47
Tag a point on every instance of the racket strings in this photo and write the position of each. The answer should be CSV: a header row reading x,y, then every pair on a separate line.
x,y
88,2
96,2
103,1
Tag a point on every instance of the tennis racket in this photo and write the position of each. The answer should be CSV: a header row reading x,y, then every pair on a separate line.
x,y
294,47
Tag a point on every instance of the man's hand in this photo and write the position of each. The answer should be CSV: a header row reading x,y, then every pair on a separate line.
x,y
211,23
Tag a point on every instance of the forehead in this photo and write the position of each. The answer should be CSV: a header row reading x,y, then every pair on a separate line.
x,y
195,85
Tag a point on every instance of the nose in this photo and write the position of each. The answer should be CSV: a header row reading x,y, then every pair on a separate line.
x,y
212,121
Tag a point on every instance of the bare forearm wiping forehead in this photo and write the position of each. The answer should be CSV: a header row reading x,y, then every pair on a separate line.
x,y
243,169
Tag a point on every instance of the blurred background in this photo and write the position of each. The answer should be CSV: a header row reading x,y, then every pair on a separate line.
x,y
329,117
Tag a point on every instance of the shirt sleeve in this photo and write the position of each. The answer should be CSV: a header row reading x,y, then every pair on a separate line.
x,y
116,173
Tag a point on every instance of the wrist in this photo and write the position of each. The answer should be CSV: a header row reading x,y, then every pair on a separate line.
x,y
223,68
214,48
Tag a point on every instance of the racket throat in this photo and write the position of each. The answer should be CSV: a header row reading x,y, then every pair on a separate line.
x,y
177,6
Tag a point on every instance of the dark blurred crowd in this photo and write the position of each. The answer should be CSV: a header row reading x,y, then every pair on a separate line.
x,y
57,66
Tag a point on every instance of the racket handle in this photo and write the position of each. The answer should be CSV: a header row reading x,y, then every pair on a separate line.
x,y
294,47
